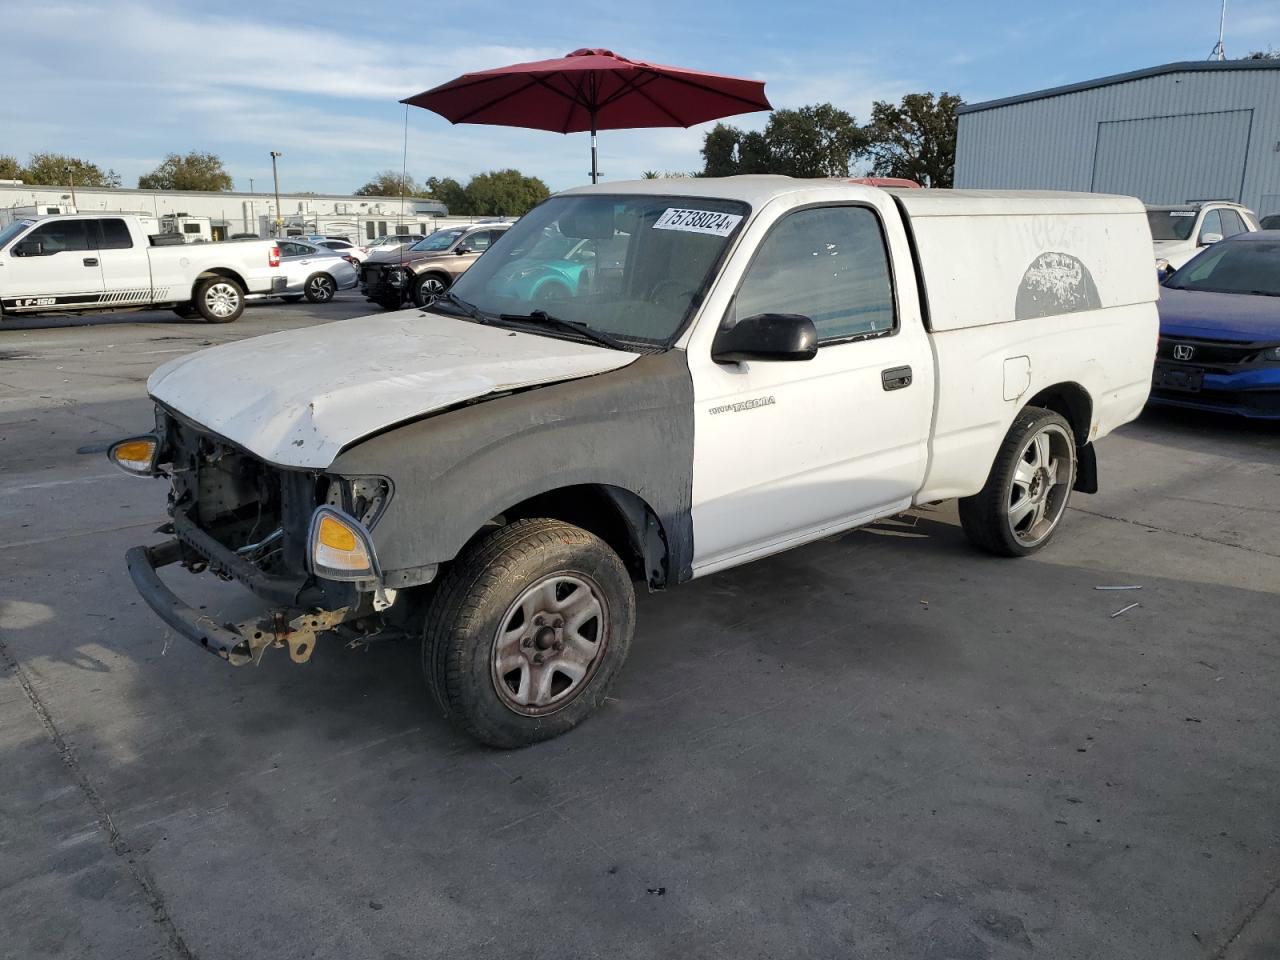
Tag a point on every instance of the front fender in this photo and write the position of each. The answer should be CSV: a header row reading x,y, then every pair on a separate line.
x,y
630,428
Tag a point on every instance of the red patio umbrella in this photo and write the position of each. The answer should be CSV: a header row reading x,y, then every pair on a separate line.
x,y
592,90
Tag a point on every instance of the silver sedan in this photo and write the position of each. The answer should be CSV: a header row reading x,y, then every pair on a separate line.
x,y
313,271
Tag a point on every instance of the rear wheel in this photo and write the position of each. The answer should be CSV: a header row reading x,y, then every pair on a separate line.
x,y
320,288
429,288
1026,494
219,299
527,632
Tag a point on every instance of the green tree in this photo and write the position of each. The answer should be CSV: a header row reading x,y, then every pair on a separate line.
x,y
10,168
195,171
56,169
388,183
1267,54
915,139
814,141
505,193
720,151
451,193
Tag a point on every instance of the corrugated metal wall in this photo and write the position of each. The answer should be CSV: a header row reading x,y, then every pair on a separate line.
x,y
1053,143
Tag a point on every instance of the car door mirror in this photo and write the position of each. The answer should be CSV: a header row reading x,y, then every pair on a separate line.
x,y
28,248
1208,238
766,336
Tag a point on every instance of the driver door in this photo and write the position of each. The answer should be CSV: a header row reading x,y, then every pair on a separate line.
x,y
789,450
66,271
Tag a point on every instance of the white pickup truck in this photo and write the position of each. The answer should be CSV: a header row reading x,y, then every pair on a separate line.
x,y
765,361
106,262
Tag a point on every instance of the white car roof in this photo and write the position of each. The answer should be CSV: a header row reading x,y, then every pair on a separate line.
x,y
759,189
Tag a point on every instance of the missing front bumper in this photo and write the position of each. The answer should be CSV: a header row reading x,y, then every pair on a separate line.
x,y
238,644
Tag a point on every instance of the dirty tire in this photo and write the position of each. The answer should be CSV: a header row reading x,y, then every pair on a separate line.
x,y
428,288
320,288
986,516
475,600
219,299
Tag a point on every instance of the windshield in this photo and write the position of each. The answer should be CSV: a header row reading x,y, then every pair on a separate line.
x,y
440,240
13,229
1243,266
627,265
1171,224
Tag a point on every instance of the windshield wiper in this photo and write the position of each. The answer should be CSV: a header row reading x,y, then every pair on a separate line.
x,y
574,326
471,310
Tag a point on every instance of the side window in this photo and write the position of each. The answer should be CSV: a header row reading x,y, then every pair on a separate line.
x,y
1212,223
829,264
62,235
478,241
1231,224
115,235
369,230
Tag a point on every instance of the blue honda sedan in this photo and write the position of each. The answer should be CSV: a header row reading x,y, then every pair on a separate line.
x,y
1220,329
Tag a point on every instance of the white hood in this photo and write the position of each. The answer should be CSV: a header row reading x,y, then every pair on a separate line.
x,y
298,397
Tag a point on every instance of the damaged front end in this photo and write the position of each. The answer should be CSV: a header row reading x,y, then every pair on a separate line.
x,y
299,539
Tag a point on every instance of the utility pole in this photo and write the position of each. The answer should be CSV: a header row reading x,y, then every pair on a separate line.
x,y
275,175
71,179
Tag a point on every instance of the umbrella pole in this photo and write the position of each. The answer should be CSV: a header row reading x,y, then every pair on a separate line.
x,y
595,170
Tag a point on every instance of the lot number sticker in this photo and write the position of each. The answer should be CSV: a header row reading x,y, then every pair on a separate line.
x,y
698,221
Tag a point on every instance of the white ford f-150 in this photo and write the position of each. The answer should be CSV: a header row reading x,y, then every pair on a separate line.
x,y
759,362
108,262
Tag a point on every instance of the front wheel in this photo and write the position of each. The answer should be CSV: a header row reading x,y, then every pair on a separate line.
x,y
1026,494
320,288
527,632
390,303
429,289
219,299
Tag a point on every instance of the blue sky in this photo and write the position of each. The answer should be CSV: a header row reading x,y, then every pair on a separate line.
x,y
123,83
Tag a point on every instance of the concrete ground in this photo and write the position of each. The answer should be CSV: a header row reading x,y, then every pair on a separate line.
x,y
880,745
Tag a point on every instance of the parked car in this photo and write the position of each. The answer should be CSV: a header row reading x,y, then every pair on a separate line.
x,y
392,241
424,271
315,272
1271,222
104,263
776,360
1220,330
1183,230
343,248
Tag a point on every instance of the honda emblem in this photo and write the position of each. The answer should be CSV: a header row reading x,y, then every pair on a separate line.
x,y
1183,351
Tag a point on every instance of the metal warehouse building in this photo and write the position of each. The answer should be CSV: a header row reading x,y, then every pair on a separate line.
x,y
1183,131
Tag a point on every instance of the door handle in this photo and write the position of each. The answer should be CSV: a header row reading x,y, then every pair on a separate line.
x,y
90,261
895,378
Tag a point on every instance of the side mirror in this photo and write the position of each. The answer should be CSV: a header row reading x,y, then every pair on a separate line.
x,y
1208,238
28,248
766,336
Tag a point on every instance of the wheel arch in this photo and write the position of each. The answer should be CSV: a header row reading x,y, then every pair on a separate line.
x,y
619,517
1072,402
226,273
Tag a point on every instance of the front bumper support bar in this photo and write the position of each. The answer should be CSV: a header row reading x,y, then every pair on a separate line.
x,y
238,644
